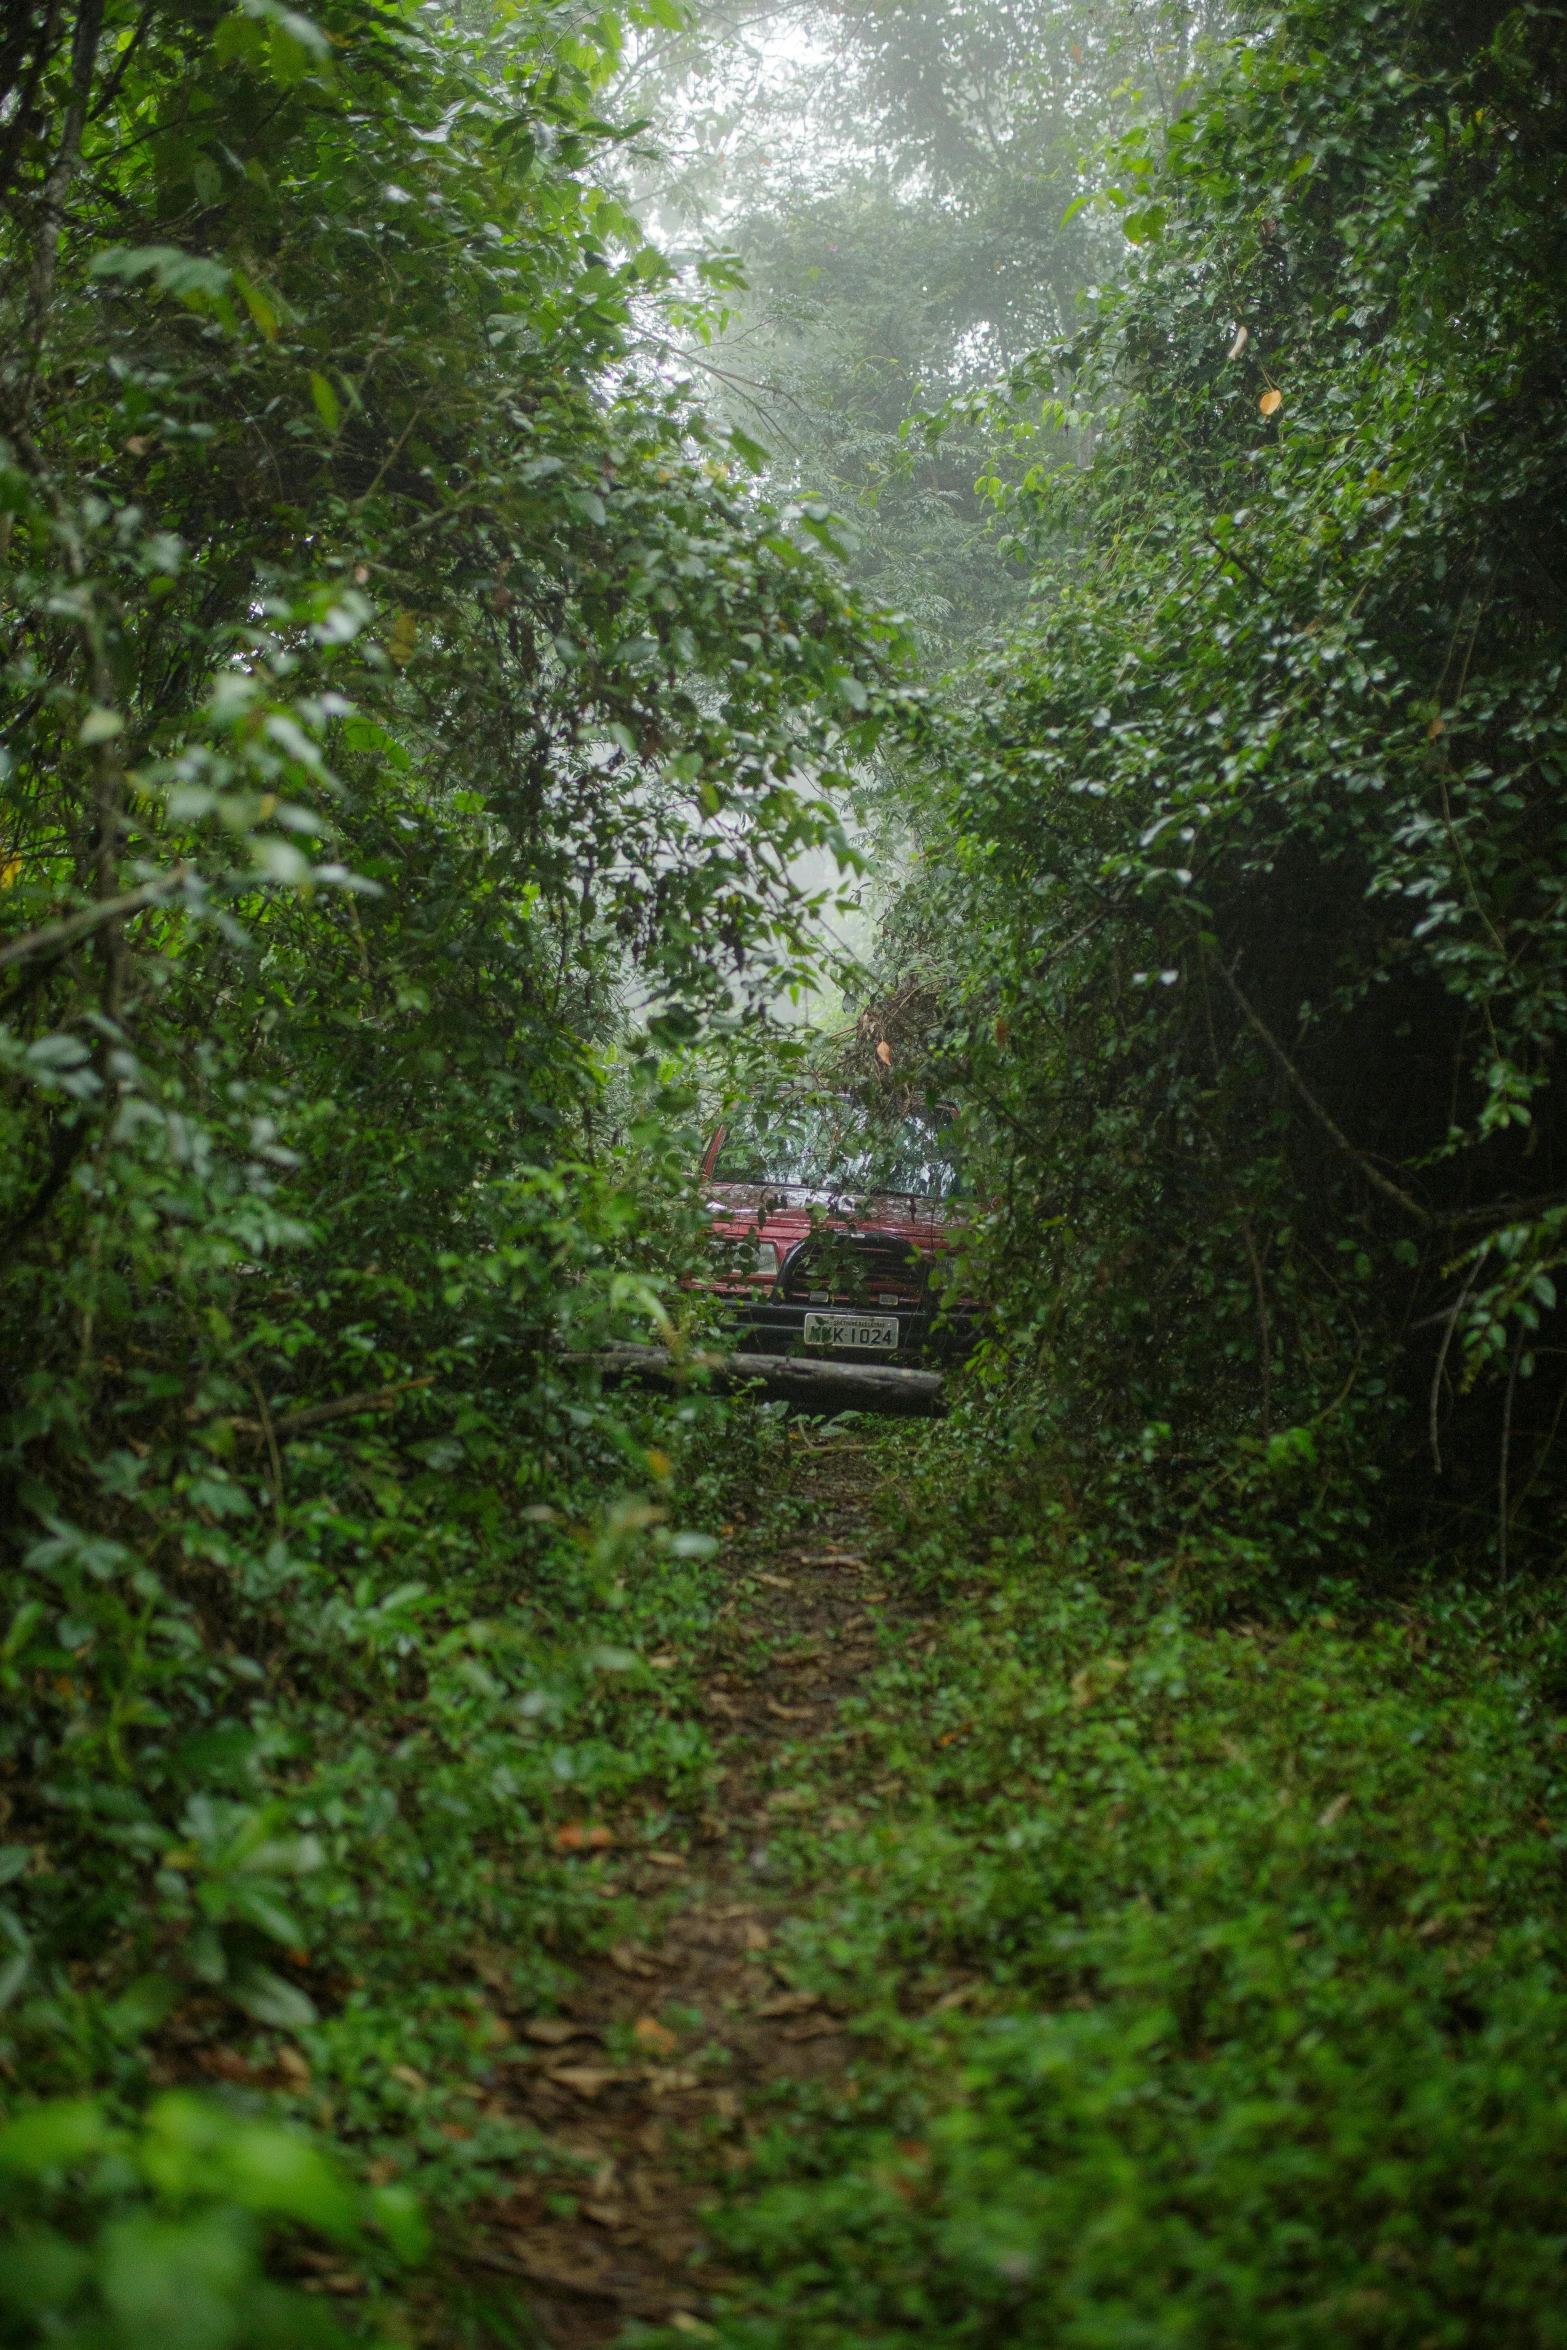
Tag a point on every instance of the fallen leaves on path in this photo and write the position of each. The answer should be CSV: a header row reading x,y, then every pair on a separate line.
x,y
631,2240
579,1836
789,2003
553,2031
586,2080
655,2037
627,1960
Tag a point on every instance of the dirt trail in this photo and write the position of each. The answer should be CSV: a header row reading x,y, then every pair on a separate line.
x,y
695,1996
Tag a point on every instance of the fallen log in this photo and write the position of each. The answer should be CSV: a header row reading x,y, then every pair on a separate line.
x,y
816,1384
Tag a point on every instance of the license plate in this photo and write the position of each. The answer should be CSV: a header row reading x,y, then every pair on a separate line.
x,y
880,1330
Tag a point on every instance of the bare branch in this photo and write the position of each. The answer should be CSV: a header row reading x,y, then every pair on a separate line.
x,y
1372,1173
342,1407
57,187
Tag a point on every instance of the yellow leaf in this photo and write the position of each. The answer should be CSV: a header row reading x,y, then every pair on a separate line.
x,y
9,872
405,635
261,310
1270,401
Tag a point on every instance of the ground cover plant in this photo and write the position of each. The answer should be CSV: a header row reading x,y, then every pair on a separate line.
x,y
1200,1982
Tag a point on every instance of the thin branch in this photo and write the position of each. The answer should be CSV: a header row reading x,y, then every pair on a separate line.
x,y
342,1407
1265,1357
275,1456
763,392
1441,1361
1372,1173
1229,555
55,937
57,187
1501,1474
68,1142
111,88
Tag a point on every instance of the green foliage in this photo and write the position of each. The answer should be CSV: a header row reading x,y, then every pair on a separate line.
x,y
402,695
1207,1984
1252,838
119,2237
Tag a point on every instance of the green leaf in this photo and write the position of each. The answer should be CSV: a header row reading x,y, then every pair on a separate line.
x,y
53,2137
751,452
328,407
296,44
197,282
177,2283
399,2215
193,2146
283,2175
264,1994
147,2003
41,2273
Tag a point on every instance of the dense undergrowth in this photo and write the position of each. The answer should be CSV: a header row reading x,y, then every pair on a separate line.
x,y
1239,915
400,679
1210,1974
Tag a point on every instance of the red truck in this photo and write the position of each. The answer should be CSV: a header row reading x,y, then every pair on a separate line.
x,y
830,1231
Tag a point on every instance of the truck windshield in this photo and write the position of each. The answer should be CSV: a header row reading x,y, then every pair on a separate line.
x,y
833,1146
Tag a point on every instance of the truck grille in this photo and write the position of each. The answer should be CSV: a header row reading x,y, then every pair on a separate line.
x,y
836,1268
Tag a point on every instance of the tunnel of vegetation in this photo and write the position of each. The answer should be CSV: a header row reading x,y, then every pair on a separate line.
x,y
420,698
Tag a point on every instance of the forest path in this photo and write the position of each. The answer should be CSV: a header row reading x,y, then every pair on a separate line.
x,y
667,2052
